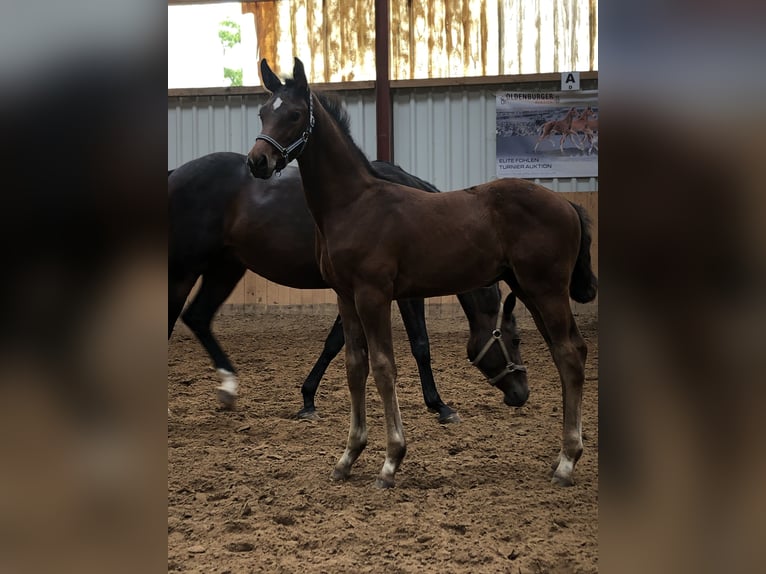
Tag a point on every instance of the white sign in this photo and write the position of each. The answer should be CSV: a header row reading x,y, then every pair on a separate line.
x,y
570,81
547,134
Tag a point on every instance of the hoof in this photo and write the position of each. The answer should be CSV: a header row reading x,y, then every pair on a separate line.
x,y
307,414
450,418
339,475
226,398
562,480
382,482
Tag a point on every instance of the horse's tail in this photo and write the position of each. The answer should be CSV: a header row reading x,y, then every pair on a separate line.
x,y
584,283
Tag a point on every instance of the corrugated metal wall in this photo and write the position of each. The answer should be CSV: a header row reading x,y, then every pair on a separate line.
x,y
447,137
200,125
443,135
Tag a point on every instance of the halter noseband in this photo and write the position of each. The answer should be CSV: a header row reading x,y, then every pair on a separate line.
x,y
301,141
497,337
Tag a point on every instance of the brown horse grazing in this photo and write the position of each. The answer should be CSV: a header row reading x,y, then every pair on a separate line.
x,y
222,222
381,241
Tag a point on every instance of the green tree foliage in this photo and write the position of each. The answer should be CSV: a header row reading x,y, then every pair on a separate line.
x,y
234,76
230,35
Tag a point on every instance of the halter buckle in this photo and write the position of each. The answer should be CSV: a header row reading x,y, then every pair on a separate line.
x,y
496,337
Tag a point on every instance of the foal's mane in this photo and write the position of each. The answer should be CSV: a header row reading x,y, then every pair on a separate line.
x,y
334,107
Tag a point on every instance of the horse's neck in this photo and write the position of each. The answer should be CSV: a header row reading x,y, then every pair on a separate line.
x,y
480,307
333,174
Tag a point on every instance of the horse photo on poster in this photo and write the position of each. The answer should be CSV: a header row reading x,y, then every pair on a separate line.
x,y
547,134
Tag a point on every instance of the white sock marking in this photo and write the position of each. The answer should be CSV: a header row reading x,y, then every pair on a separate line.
x,y
228,381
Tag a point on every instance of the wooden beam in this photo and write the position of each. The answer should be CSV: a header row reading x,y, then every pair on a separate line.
x,y
383,112
189,2
487,80
255,90
508,80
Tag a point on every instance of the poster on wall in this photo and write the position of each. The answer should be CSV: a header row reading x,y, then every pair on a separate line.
x,y
547,134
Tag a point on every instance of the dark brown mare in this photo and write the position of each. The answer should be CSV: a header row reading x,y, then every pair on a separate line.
x,y
381,241
223,221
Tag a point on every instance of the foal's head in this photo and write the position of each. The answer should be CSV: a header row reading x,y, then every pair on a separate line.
x,y
287,121
497,355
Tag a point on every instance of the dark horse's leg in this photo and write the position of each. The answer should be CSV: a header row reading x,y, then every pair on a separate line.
x,y
179,286
218,281
332,346
413,316
180,282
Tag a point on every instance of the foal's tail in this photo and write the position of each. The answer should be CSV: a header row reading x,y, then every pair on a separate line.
x,y
584,283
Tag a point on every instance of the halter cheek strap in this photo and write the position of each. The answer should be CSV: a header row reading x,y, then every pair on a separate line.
x,y
300,142
497,337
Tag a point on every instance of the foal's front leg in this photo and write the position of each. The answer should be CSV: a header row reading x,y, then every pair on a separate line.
x,y
375,313
357,369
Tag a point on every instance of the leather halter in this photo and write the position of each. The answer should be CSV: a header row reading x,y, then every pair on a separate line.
x,y
497,337
301,141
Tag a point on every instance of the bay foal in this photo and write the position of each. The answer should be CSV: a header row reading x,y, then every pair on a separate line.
x,y
380,241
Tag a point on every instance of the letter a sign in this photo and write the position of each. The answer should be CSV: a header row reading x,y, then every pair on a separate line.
x,y
570,81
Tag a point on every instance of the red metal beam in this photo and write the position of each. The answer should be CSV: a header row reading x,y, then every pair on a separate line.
x,y
382,83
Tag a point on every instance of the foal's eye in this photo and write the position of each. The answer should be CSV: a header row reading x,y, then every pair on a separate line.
x,y
294,116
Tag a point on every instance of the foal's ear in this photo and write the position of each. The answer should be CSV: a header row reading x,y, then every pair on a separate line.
x,y
510,303
299,76
270,79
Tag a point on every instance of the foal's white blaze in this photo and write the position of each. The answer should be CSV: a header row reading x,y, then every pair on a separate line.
x,y
228,381
276,104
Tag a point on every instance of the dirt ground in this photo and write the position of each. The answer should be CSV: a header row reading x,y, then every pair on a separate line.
x,y
250,491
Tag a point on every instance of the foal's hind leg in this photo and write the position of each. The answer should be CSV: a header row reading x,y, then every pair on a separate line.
x,y
357,369
217,284
553,317
413,316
